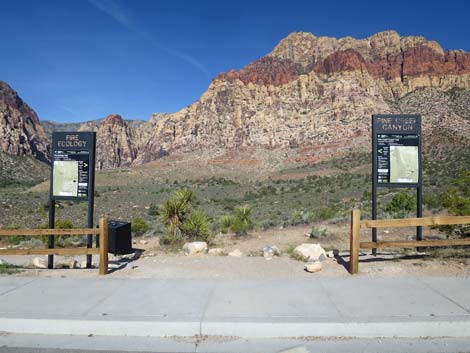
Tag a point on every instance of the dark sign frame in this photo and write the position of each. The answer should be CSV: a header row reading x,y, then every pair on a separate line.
x,y
399,128
64,146
67,144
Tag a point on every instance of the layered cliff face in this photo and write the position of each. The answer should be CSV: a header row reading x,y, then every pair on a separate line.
x,y
20,131
311,98
115,141
312,92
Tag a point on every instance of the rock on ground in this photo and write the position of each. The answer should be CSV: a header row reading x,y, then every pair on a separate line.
x,y
72,263
269,251
313,267
216,252
235,253
194,248
40,262
311,252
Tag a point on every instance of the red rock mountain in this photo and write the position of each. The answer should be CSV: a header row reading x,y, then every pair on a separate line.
x,y
20,131
310,98
313,96
115,140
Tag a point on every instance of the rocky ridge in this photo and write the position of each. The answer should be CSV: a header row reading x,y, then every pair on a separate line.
x,y
314,93
20,131
311,97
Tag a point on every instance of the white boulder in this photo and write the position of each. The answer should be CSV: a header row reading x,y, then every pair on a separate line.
x,y
235,253
313,267
310,252
195,248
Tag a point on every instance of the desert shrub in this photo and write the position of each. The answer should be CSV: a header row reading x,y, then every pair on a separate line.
x,y
457,202
181,220
317,232
139,226
171,239
401,204
58,239
176,209
323,214
226,222
240,222
243,220
9,269
434,201
196,227
153,210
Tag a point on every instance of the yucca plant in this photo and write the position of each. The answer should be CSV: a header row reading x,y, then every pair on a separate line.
x,y
243,221
226,222
175,210
196,226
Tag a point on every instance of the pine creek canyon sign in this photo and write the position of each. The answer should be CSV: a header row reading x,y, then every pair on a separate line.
x,y
397,159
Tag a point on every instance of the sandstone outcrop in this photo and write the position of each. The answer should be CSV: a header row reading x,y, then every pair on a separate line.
x,y
20,131
310,97
312,93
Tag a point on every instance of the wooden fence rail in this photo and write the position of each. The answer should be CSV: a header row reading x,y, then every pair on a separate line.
x,y
102,251
357,225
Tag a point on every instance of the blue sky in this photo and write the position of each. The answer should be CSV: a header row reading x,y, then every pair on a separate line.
x,y
82,60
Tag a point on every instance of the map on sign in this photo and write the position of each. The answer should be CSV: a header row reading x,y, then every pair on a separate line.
x,y
404,164
65,182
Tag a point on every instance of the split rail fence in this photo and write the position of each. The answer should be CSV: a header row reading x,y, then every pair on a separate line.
x,y
357,225
102,250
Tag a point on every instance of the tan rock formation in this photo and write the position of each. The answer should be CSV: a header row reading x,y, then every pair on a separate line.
x,y
311,97
115,142
20,131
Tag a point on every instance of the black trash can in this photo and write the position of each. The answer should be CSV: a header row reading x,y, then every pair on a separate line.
x,y
119,237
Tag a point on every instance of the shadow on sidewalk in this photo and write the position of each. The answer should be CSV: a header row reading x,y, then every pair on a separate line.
x,y
380,257
124,260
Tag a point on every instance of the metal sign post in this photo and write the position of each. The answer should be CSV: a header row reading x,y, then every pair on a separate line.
x,y
396,159
72,176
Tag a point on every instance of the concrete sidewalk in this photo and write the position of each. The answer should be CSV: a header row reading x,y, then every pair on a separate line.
x,y
318,307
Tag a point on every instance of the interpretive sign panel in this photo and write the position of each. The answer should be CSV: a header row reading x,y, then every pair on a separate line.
x,y
396,158
396,149
72,165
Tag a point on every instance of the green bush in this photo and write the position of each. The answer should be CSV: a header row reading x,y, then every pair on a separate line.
x,y
316,233
226,223
243,220
196,227
401,204
9,269
58,239
138,226
182,221
153,210
240,222
171,239
457,202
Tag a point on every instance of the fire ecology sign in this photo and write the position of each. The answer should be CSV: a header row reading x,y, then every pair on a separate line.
x,y
73,165
397,149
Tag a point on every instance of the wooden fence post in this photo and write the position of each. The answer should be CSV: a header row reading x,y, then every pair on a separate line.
x,y
354,246
103,246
